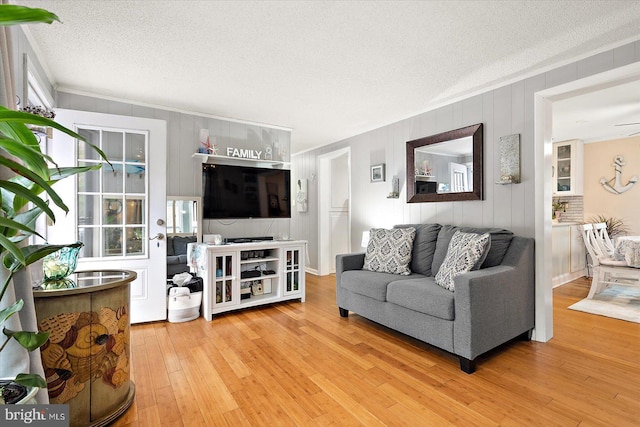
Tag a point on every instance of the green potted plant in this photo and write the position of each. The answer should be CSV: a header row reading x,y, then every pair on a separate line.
x,y
615,226
25,176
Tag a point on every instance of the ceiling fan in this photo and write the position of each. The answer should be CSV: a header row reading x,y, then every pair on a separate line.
x,y
629,124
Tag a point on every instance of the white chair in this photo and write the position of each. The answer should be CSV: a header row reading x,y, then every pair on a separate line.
x,y
606,270
602,237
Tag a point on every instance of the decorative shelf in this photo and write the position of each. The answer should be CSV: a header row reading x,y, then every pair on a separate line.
x,y
226,159
425,177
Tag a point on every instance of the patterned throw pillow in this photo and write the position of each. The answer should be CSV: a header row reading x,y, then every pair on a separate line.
x,y
389,251
465,249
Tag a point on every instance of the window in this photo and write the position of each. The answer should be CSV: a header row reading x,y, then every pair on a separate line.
x,y
112,201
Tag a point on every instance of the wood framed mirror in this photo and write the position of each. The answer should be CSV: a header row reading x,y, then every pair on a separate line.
x,y
446,167
184,216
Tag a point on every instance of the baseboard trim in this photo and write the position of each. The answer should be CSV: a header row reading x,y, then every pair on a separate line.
x,y
567,277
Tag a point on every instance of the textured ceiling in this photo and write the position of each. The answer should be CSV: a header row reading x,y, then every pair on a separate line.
x,y
328,70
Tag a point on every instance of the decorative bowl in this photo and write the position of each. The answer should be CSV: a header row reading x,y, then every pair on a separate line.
x,y
60,264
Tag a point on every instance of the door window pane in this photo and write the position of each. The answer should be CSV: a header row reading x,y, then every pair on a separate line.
x,y
112,242
112,145
135,211
89,182
84,150
135,240
112,179
90,236
112,211
134,178
88,209
134,147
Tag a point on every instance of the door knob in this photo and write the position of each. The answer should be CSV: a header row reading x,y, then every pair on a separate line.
x,y
158,236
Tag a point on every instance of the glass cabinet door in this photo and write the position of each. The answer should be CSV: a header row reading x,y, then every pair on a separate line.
x,y
293,275
224,289
563,155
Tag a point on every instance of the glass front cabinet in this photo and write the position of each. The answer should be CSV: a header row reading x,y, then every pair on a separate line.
x,y
251,274
567,168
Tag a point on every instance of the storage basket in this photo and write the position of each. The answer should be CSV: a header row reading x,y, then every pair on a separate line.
x,y
183,305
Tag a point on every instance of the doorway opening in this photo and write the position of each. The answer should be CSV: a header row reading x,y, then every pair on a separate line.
x,y
543,119
334,208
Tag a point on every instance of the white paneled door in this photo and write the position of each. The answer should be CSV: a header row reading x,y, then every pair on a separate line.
x,y
118,211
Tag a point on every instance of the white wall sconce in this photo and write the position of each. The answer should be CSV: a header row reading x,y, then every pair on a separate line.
x,y
395,188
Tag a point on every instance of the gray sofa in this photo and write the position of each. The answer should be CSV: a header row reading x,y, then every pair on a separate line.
x,y
177,254
489,306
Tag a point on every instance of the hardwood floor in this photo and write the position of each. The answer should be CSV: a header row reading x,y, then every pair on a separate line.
x,y
301,364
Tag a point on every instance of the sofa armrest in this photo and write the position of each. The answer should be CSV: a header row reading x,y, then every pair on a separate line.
x,y
346,262
354,261
494,305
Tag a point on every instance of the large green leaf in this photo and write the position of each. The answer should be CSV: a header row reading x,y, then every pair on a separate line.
x,y
21,191
10,311
7,115
28,218
32,157
12,248
7,224
31,380
12,14
35,178
9,200
28,340
19,132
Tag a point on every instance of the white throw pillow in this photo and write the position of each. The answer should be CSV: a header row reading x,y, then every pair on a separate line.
x,y
389,251
464,251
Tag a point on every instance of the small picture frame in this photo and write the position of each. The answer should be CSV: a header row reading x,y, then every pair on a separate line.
x,y
377,173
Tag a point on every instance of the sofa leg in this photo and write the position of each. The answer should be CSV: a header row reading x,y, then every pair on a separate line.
x,y
466,365
343,312
526,336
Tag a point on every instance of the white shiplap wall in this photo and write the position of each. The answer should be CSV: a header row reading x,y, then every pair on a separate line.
x,y
184,176
504,111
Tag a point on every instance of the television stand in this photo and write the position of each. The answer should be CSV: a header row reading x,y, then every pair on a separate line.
x,y
242,275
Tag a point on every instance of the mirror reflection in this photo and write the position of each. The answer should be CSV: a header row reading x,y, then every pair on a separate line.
x,y
183,216
446,166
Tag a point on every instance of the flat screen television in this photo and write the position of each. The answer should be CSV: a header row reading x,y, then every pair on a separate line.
x,y
245,192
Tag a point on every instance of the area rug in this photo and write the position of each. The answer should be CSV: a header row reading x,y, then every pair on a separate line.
x,y
619,302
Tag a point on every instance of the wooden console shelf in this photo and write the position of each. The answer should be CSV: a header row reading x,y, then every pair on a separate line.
x,y
241,275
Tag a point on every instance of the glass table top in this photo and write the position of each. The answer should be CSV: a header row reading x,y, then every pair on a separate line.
x,y
84,281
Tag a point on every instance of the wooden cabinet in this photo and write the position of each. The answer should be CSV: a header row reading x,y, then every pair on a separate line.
x,y
86,359
568,254
567,168
241,275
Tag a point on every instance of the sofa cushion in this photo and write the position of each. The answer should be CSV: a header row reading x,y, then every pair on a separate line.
x,y
424,246
422,295
370,283
500,241
173,259
465,250
170,246
389,251
180,244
